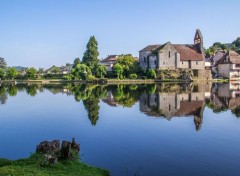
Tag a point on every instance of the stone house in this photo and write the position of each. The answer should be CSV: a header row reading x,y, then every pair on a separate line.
x,y
229,66
109,61
175,56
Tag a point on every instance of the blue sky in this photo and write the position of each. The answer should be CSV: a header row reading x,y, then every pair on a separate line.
x,y
42,33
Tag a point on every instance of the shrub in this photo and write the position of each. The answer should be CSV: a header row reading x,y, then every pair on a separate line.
x,y
151,74
133,76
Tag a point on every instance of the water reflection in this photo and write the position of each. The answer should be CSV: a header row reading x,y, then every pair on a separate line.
x,y
166,100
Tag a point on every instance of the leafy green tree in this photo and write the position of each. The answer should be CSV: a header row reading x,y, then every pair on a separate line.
x,y
133,76
117,68
55,69
129,64
100,71
76,62
90,57
40,71
12,73
31,73
151,74
81,71
2,73
236,42
3,63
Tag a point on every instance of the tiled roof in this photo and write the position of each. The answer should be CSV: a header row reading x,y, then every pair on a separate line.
x,y
190,108
110,58
189,52
150,48
233,58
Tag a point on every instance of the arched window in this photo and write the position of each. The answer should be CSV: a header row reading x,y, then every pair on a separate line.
x,y
169,54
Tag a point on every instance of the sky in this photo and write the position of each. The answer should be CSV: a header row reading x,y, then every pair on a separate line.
x,y
42,33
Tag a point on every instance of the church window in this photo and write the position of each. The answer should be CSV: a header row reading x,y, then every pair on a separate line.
x,y
169,54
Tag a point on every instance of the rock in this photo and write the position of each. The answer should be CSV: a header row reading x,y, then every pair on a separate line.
x,y
48,147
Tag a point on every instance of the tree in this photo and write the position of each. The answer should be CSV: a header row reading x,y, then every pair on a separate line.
x,y
2,73
3,63
12,73
55,69
90,57
31,73
129,64
81,71
100,71
76,62
236,42
151,74
118,69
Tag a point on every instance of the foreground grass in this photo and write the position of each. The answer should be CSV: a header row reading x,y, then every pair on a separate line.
x,y
32,166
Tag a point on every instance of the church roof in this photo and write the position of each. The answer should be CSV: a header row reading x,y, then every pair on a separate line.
x,y
189,52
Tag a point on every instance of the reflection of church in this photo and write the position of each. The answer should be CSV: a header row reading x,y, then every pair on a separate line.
x,y
174,104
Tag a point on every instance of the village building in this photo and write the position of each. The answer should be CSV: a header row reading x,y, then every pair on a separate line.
x,y
228,66
110,60
175,56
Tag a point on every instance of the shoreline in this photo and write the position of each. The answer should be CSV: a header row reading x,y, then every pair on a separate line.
x,y
110,81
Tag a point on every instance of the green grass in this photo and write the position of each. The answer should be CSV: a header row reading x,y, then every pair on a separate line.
x,y
32,166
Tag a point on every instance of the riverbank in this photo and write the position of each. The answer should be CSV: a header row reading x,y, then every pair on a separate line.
x,y
107,81
34,165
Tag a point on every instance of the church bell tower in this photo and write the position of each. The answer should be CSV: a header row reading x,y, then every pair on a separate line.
x,y
198,40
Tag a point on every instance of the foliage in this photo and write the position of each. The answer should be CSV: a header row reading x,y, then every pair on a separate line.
x,y
236,111
151,74
32,166
76,62
3,63
133,76
31,73
90,57
236,42
12,73
2,73
12,90
55,69
118,69
129,65
100,71
81,71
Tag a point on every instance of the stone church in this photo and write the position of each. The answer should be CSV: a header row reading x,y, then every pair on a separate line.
x,y
175,56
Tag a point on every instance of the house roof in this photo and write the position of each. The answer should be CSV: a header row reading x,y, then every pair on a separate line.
x,y
232,58
110,58
189,52
190,108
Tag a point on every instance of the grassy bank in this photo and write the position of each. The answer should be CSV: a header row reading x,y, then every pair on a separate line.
x,y
33,166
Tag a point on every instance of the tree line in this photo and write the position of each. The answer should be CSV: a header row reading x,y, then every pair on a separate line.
x,y
88,68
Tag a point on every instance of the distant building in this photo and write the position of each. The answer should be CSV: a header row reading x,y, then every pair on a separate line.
x,y
175,56
228,66
111,60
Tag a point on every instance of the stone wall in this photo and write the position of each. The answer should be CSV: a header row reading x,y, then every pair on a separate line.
x,y
168,58
223,70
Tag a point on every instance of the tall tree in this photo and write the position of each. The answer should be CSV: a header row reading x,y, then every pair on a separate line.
x,y
3,63
76,62
100,71
90,57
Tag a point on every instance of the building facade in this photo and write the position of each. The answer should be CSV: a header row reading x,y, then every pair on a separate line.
x,y
229,66
174,56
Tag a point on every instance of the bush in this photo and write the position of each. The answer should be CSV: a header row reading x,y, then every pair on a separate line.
x,y
151,74
133,76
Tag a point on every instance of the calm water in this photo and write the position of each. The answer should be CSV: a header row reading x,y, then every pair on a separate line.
x,y
165,129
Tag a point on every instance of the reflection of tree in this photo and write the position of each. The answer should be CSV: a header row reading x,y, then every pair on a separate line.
x,y
31,90
126,95
216,109
236,111
3,95
12,90
92,106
